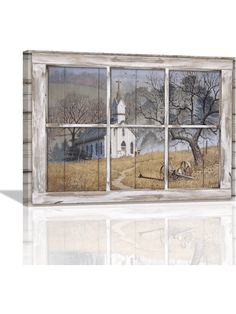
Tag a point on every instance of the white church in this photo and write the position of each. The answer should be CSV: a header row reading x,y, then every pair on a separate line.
x,y
93,141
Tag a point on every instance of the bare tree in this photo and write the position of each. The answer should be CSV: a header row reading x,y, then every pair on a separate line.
x,y
77,109
194,99
151,100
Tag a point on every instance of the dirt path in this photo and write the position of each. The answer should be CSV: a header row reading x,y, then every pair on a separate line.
x,y
117,182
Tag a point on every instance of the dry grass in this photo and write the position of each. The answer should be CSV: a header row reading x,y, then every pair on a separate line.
x,y
91,175
203,177
148,165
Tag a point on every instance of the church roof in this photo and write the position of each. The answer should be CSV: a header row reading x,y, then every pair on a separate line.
x,y
90,135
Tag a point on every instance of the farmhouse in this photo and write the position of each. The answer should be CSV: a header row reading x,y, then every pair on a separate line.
x,y
92,143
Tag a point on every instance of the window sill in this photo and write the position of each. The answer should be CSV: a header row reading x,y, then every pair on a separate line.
x,y
56,198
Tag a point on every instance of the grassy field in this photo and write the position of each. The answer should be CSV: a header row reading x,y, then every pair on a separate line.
x,y
91,175
148,165
206,176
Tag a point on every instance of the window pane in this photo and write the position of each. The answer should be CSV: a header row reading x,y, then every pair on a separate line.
x,y
137,96
194,97
76,159
56,160
137,158
76,95
194,158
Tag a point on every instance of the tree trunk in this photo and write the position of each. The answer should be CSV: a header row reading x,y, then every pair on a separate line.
x,y
72,137
197,154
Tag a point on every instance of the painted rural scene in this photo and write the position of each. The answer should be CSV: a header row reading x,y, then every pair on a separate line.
x,y
77,156
194,152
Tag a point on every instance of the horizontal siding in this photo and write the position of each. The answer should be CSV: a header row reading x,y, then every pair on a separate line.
x,y
233,182
234,131
234,155
27,157
27,60
27,88
27,103
27,194
27,129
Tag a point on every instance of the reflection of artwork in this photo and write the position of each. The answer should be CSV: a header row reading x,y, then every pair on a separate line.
x,y
200,239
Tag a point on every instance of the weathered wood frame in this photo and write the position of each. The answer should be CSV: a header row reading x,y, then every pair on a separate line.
x,y
40,61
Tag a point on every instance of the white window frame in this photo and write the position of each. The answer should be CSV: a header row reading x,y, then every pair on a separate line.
x,y
40,62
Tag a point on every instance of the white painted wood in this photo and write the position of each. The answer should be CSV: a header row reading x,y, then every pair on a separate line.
x,y
166,161
64,125
142,126
197,126
137,210
39,162
135,61
226,129
130,196
108,135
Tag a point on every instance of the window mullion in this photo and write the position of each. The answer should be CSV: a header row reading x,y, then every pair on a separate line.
x,y
108,137
166,162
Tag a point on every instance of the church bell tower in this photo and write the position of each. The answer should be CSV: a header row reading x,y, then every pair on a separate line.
x,y
118,107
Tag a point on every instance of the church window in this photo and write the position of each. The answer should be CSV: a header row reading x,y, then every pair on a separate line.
x,y
101,148
131,148
123,146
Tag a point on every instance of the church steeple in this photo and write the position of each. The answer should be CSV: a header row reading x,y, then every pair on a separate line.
x,y
118,94
118,106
